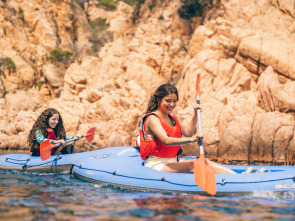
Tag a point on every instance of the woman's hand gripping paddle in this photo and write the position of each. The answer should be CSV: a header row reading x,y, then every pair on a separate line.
x,y
46,146
204,175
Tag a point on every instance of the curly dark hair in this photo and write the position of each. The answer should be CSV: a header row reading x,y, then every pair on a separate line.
x,y
162,91
42,124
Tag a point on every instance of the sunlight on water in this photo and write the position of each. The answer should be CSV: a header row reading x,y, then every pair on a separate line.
x,y
31,196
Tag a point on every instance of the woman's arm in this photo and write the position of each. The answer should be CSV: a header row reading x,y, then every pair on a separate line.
x,y
153,126
69,137
39,137
191,128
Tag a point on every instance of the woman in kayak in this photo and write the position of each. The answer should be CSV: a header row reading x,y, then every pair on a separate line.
x,y
162,134
49,125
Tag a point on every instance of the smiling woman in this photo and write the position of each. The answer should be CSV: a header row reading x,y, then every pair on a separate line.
x,y
53,121
162,134
49,125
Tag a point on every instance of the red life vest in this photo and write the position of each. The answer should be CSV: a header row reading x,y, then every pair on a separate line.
x,y
155,146
51,135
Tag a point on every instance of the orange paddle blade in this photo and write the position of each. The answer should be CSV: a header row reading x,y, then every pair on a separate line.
x,y
90,134
45,149
204,175
198,84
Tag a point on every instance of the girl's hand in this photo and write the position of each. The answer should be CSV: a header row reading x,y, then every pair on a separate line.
x,y
62,142
196,107
198,135
79,136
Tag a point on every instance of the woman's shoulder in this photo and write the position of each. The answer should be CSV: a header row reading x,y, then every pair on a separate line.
x,y
152,117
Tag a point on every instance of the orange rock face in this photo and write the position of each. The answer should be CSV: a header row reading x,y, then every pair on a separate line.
x,y
108,63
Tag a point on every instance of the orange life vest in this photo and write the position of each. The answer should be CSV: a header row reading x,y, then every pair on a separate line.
x,y
154,146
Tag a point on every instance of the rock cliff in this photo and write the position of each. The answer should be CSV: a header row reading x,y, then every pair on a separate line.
x,y
97,62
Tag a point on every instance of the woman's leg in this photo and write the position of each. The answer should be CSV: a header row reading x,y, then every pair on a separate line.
x,y
218,168
55,151
68,149
36,150
35,153
187,166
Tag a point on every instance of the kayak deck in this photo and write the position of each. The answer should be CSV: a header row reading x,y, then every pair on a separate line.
x,y
56,163
130,172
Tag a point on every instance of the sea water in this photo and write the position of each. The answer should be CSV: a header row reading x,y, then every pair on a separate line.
x,y
35,196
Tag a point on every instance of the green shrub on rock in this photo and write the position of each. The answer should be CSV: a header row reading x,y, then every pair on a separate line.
x,y
196,8
59,55
190,8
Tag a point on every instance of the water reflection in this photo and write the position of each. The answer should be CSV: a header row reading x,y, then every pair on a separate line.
x,y
29,196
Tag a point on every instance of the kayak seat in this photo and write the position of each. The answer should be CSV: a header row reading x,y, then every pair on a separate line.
x,y
249,170
262,170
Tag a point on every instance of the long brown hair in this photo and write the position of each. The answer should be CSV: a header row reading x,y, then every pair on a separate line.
x,y
162,91
42,124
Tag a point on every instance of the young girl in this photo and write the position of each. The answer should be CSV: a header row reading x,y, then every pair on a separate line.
x,y
162,134
49,125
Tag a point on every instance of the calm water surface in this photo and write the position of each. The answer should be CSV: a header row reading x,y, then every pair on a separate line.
x,y
31,196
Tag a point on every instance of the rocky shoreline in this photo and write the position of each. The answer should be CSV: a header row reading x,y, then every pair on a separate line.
x,y
98,66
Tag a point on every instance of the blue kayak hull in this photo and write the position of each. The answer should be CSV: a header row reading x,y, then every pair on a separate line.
x,y
56,163
129,171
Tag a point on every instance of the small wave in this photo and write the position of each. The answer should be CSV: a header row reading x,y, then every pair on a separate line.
x,y
288,195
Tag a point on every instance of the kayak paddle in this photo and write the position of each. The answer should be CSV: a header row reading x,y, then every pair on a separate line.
x,y
46,146
204,175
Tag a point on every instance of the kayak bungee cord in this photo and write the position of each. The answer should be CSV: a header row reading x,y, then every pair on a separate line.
x,y
163,179
25,166
116,173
